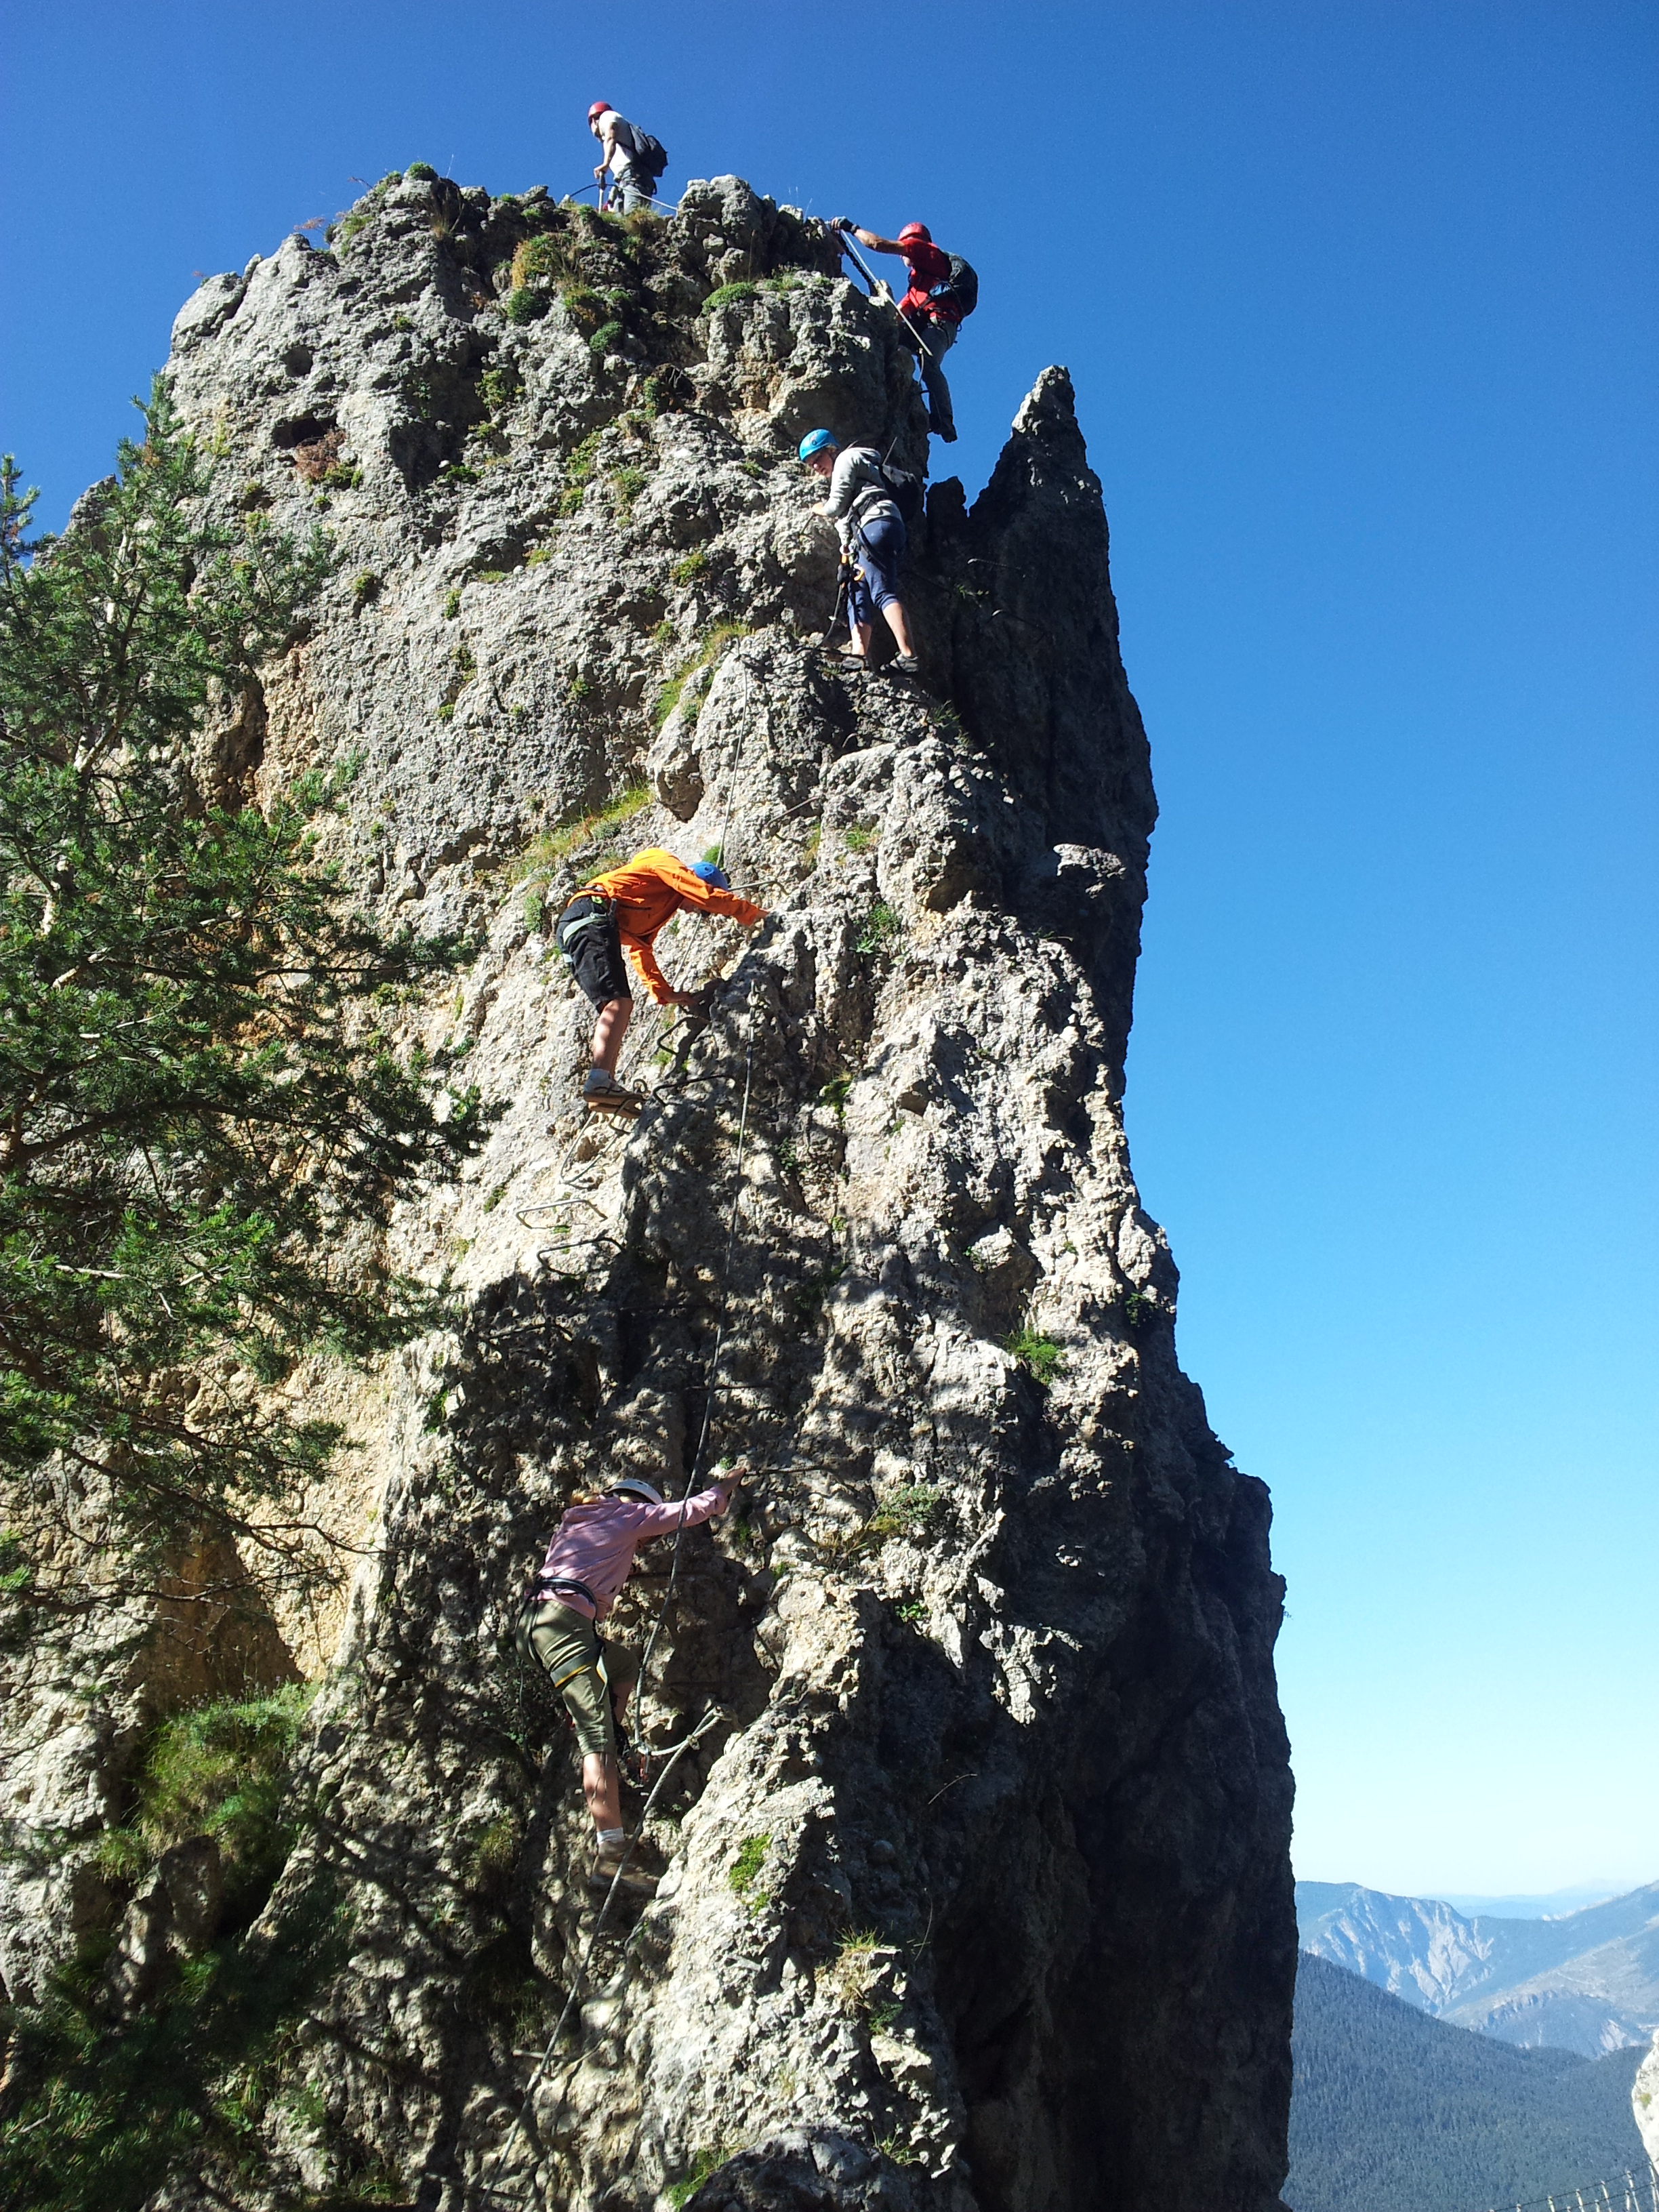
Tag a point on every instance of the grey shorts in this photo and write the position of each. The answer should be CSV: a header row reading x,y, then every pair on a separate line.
x,y
568,1647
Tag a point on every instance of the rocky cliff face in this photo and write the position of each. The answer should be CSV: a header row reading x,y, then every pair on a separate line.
x,y
976,1889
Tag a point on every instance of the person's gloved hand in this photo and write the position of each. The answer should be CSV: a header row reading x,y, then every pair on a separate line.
x,y
842,222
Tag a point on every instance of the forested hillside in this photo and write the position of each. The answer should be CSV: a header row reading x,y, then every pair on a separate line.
x,y
1392,2111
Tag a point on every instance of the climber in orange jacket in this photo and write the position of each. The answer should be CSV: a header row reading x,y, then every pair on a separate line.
x,y
622,911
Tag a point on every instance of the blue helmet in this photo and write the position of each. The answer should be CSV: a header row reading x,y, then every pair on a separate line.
x,y
711,874
816,441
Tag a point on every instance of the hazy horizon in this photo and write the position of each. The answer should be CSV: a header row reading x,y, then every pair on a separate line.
x,y
1524,1904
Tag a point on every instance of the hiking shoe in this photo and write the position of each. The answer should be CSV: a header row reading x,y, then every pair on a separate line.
x,y
603,1089
635,1881
906,663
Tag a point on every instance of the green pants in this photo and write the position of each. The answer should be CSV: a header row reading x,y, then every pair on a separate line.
x,y
569,1646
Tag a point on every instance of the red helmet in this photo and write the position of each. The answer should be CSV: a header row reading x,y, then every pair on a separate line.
x,y
912,231
599,107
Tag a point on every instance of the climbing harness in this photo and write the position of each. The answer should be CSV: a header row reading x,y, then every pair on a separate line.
x,y
567,928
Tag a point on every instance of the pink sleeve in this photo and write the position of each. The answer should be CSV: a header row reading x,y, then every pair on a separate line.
x,y
663,1520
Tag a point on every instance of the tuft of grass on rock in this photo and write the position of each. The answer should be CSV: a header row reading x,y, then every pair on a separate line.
x,y
626,484
356,220
499,385
1041,1356
744,1874
882,930
493,1851
858,1964
578,472
544,259
728,296
703,2166
908,1511
545,852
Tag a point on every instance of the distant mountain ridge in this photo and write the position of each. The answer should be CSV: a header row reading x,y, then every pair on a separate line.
x,y
1586,1981
1551,1904
1391,2111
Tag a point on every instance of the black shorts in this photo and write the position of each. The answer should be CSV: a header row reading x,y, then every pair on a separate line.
x,y
595,951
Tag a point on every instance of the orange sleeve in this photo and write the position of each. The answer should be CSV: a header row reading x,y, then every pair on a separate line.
x,y
691,891
639,950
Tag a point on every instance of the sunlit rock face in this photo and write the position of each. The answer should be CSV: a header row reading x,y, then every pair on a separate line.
x,y
976,1891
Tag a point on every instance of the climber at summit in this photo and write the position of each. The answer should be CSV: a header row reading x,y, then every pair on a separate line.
x,y
634,158
622,910
864,509
944,289
588,1560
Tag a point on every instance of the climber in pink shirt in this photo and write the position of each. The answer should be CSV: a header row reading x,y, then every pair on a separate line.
x,y
589,1559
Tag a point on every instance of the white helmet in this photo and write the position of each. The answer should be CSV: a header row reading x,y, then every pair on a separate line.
x,y
636,1486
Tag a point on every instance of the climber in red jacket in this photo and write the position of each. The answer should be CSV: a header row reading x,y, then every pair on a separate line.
x,y
622,911
589,1559
942,292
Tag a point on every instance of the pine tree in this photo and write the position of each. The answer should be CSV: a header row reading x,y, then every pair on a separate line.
x,y
204,1118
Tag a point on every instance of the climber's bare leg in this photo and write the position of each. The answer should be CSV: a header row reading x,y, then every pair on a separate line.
x,y
898,622
602,1788
609,1031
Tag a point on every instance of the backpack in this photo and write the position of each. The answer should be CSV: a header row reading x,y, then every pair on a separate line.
x,y
962,288
906,490
649,154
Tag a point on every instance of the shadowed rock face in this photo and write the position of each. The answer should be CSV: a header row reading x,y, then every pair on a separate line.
x,y
977,1893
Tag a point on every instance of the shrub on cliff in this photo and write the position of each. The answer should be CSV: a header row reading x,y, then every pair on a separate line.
x,y
204,1120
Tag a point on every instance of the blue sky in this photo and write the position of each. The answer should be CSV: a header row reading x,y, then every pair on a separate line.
x,y
1360,302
